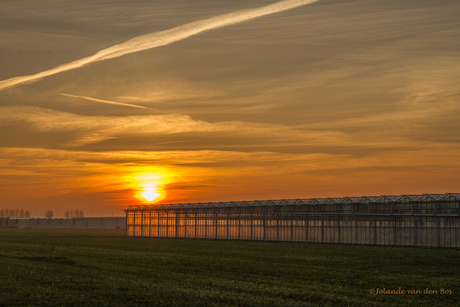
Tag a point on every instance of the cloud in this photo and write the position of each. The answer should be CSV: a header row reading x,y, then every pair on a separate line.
x,y
91,129
145,131
104,101
34,126
162,38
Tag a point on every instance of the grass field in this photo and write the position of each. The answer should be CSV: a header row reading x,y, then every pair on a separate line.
x,y
63,267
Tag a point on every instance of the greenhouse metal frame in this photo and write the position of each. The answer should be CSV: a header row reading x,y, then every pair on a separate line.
x,y
428,220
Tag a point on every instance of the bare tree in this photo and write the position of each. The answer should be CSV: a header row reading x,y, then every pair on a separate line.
x,y
77,213
67,214
27,214
14,213
49,214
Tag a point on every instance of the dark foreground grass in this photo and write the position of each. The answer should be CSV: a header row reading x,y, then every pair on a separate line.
x,y
104,268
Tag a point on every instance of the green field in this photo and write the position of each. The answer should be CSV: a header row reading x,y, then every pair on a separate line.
x,y
66,267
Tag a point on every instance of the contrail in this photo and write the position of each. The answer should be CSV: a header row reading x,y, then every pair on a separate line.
x,y
163,38
105,101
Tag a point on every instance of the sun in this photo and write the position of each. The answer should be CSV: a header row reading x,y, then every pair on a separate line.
x,y
150,195
149,183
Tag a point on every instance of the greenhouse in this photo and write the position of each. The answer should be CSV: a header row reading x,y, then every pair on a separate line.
x,y
429,220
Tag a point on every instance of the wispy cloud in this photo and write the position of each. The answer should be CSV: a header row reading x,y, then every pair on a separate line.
x,y
104,101
51,120
93,129
163,38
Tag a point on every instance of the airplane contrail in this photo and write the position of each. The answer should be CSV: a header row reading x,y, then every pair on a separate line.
x,y
105,101
162,38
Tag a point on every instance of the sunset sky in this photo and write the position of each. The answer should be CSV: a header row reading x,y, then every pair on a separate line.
x,y
200,100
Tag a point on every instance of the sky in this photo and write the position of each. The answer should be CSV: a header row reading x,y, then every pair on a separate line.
x,y
115,103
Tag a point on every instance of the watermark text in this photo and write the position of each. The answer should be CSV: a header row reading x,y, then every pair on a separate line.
x,y
382,291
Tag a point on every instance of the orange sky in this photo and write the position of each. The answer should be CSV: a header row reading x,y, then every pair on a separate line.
x,y
330,99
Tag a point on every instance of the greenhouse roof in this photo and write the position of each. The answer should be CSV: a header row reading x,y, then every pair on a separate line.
x,y
311,201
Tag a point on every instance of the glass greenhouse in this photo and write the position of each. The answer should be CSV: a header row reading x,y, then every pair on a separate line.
x,y
429,220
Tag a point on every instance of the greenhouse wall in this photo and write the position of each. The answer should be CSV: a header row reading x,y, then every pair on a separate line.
x,y
77,223
416,220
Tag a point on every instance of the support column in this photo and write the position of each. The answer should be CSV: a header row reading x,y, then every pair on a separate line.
x,y
142,223
277,227
167,224
307,225
263,226
196,227
150,223
339,221
252,226
394,230
239,226
356,229
228,225
439,231
375,230
322,228
206,222
216,220
177,223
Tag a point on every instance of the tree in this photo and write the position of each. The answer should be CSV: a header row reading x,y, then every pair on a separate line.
x,y
27,214
67,214
77,213
13,213
49,214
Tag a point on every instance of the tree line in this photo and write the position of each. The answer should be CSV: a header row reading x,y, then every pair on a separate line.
x,y
15,213
68,214
74,213
21,213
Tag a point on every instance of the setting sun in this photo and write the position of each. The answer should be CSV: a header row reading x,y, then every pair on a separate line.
x,y
150,195
149,183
